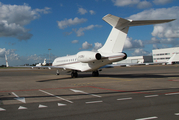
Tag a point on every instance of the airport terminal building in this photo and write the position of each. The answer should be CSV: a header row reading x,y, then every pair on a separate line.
x,y
163,55
159,55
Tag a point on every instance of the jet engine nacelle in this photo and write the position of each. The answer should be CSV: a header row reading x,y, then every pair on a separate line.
x,y
88,56
125,55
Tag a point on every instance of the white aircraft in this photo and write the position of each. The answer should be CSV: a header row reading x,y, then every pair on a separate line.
x,y
7,65
42,64
88,61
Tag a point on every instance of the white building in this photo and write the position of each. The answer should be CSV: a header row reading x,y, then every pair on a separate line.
x,y
136,59
163,55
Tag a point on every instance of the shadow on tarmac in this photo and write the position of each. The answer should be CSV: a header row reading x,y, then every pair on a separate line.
x,y
115,76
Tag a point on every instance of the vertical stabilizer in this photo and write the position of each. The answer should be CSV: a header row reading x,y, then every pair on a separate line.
x,y
44,63
169,62
116,39
7,65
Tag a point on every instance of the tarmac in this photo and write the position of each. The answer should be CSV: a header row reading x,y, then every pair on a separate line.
x,y
120,93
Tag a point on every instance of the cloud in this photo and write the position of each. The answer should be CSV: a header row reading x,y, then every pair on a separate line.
x,y
69,22
86,45
81,30
82,11
35,58
75,41
97,45
162,33
130,44
45,10
2,52
161,2
144,4
14,59
140,52
122,3
140,4
92,12
13,18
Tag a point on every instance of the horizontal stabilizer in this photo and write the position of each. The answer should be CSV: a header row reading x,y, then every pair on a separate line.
x,y
121,23
148,22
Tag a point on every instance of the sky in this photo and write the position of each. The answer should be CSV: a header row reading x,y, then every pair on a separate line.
x,y
29,28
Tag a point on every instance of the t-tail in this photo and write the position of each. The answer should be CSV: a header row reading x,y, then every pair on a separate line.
x,y
169,62
44,63
117,37
7,65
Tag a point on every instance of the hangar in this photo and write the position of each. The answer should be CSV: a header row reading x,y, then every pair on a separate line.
x,y
159,55
136,59
163,55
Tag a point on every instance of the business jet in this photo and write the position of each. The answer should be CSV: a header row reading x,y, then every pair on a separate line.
x,y
89,61
42,64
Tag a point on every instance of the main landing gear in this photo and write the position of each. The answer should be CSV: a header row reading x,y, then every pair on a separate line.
x,y
74,74
58,73
95,73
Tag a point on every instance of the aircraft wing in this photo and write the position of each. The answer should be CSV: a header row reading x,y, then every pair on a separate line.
x,y
48,67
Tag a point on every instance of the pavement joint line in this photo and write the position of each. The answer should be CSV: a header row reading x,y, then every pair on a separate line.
x,y
151,96
122,91
93,102
56,96
125,98
148,118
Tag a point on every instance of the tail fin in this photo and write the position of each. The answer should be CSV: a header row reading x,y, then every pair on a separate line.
x,y
117,37
169,62
44,63
7,65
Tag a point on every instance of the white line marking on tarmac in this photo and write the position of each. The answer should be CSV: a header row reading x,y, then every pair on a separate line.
x,y
56,96
148,118
93,102
22,108
176,113
84,92
2,109
42,106
125,98
172,93
21,99
151,96
60,104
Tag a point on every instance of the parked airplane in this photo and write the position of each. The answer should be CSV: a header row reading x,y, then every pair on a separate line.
x,y
7,65
89,61
42,64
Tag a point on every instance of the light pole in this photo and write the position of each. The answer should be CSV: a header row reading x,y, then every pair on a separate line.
x,y
49,56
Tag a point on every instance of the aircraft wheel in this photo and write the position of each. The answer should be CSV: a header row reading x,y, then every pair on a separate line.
x,y
58,73
74,74
95,73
